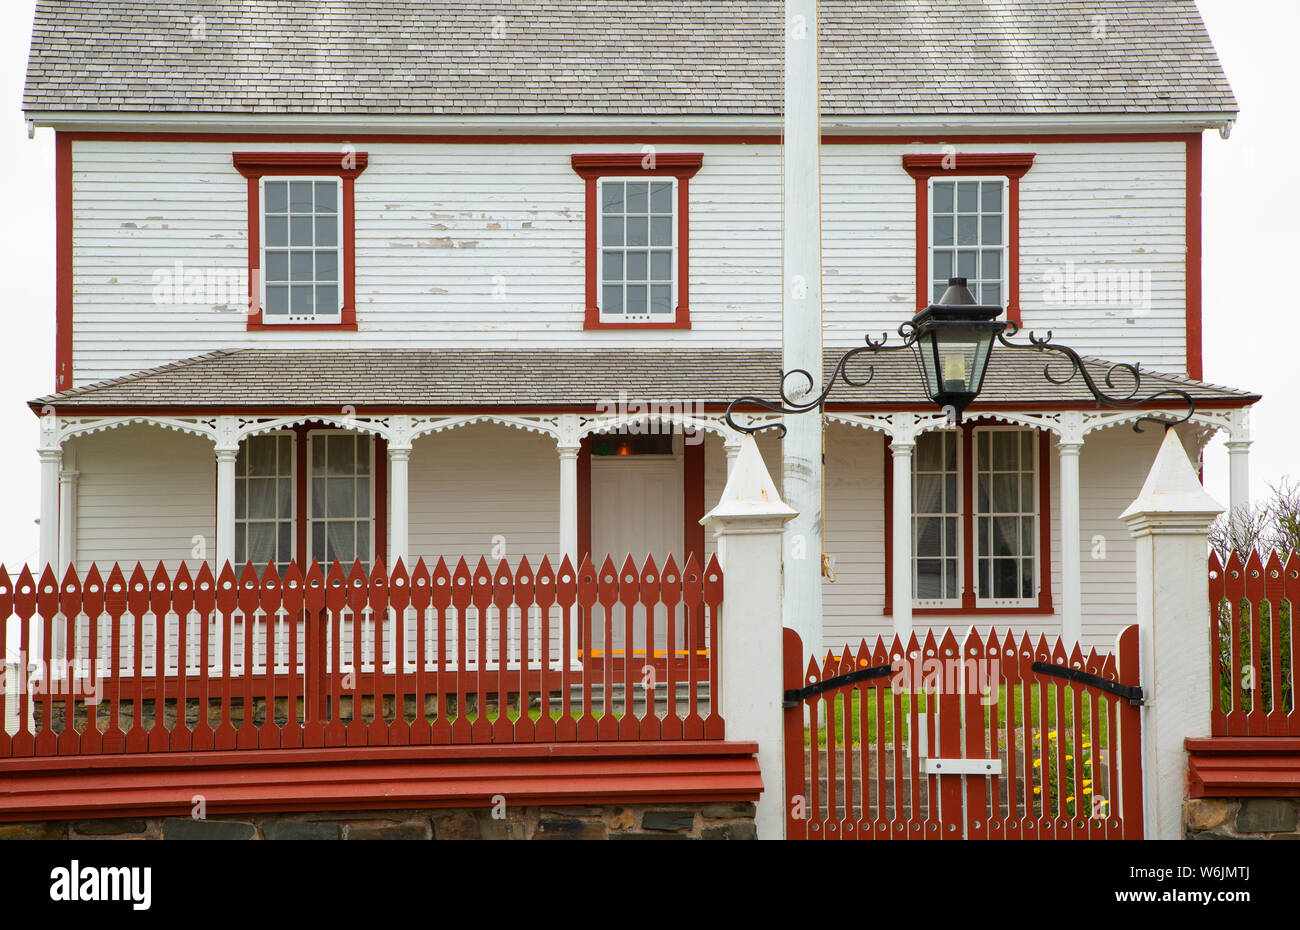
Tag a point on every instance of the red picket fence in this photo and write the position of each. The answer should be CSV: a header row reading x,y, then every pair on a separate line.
x,y
948,740
176,662
1253,648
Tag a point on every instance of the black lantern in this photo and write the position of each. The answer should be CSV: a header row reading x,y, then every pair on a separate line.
x,y
953,339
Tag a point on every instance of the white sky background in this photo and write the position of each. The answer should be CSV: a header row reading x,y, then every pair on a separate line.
x,y
1251,246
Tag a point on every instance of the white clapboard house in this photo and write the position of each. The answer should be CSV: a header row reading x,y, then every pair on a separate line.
x,y
494,248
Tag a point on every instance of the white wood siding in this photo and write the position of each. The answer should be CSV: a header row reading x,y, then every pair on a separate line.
x,y
441,229
143,495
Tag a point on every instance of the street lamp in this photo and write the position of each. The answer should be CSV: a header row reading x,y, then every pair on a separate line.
x,y
953,340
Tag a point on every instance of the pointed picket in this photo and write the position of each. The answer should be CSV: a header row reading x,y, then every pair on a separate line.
x,y
649,591
461,595
481,597
399,598
586,600
670,592
503,595
295,700
545,595
629,593
524,598
566,597
430,590
92,603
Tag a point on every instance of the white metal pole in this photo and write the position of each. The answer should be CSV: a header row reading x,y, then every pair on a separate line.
x,y
801,319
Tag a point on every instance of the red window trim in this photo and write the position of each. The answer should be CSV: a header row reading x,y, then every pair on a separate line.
x,y
679,165
968,599
1012,166
256,165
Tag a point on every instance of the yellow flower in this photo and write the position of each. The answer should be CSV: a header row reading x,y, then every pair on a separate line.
x,y
1087,745
1051,734
1038,763
1037,790
1069,758
1070,799
1087,791
1087,781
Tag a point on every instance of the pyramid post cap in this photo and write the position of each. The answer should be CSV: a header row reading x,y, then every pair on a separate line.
x,y
750,490
1172,488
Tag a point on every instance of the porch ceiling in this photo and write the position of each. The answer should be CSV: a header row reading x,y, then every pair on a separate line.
x,y
565,378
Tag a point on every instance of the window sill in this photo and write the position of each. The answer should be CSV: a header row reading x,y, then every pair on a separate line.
x,y
298,327
967,611
681,320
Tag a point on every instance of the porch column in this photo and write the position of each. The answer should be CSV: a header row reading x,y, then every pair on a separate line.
x,y
227,448
1239,464
901,584
399,521
68,480
51,454
568,445
1068,446
1169,521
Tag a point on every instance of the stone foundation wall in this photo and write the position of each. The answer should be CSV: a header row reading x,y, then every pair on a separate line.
x,y
1242,818
703,821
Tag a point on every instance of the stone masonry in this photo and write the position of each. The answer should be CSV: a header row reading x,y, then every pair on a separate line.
x,y
1242,818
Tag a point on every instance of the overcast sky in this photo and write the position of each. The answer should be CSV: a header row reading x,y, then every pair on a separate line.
x,y
1251,328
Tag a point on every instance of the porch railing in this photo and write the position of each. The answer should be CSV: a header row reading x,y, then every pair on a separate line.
x,y
180,661
1253,647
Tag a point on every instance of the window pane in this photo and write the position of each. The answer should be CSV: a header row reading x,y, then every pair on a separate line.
x,y
983,589
277,266
991,295
968,197
966,265
339,501
638,230
1027,578
327,231
950,535
363,454
943,230
327,196
261,542
327,265
285,446
363,542
318,453
1006,578
612,231
661,298
950,578
661,197
1006,536
318,544
928,536
991,230
638,266
991,262
300,230
277,231
277,300
661,266
611,196
317,497
241,543
342,454
929,451
1026,496
300,266
363,497
1006,493
929,494
968,230
1026,535
1026,449
327,298
285,497
636,298
929,578
943,197
300,199
261,456
638,197
277,196
942,265
301,300
1006,445
612,299
261,498
612,269
241,499
991,197
342,540
661,230
284,547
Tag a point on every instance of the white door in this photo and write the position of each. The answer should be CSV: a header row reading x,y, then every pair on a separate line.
x,y
636,508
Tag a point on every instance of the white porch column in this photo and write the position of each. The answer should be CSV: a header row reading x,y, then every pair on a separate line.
x,y
747,523
568,445
1169,520
399,499
1068,446
227,448
68,481
50,450
901,553
801,318
1238,446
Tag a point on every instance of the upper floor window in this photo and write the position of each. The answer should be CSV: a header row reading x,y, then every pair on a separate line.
x,y
968,237
968,224
301,250
301,237
637,243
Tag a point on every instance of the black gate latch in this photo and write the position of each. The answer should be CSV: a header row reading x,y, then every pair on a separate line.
x,y
793,698
1133,693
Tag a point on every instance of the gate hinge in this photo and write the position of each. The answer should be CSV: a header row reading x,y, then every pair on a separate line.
x,y
1133,693
793,698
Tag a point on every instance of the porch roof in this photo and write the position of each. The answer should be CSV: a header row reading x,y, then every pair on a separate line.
x,y
577,379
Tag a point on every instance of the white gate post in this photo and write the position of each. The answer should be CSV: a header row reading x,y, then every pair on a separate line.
x,y
1169,520
748,524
